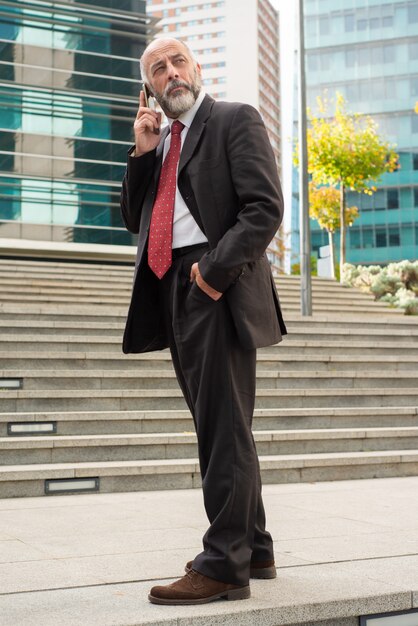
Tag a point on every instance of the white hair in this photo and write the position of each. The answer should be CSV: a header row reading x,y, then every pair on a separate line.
x,y
144,76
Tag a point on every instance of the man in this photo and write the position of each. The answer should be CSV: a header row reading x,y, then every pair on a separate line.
x,y
205,199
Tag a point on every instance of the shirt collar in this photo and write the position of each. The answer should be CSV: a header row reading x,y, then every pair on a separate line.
x,y
188,117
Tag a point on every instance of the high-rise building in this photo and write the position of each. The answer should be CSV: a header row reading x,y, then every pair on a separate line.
x,y
237,46
368,51
69,84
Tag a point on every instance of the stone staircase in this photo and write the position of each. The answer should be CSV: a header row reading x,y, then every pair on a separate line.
x,y
337,399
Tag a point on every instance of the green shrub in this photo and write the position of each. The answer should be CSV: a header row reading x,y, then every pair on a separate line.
x,y
396,284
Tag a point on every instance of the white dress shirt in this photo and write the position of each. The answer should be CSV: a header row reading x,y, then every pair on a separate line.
x,y
186,232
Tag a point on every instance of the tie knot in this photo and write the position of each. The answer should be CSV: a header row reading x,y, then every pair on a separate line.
x,y
176,127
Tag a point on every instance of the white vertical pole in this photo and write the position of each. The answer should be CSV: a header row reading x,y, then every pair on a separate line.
x,y
305,235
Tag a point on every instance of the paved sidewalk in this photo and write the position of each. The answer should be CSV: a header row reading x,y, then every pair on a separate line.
x,y
342,549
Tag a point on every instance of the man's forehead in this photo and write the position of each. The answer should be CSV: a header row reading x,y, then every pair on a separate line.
x,y
162,49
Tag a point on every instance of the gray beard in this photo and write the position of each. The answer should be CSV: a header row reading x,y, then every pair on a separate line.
x,y
175,105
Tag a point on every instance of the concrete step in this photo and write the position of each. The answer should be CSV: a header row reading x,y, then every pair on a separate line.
x,y
137,447
62,267
82,343
165,379
110,476
332,348
77,327
101,299
9,267
42,327
72,285
82,312
58,280
64,312
132,421
84,292
280,361
146,399
66,298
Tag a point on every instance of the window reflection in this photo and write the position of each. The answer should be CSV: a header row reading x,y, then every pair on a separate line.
x,y
69,82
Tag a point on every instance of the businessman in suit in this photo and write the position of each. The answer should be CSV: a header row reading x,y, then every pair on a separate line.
x,y
204,197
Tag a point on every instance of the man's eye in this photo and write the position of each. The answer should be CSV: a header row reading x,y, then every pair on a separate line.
x,y
158,70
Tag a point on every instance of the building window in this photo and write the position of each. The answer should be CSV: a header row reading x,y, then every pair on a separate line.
x,y
361,24
378,89
312,62
413,51
324,25
387,21
415,161
368,239
311,26
389,55
377,55
416,197
364,56
379,198
349,23
355,241
413,13
414,123
325,61
393,198
381,239
352,92
365,202
394,236
350,58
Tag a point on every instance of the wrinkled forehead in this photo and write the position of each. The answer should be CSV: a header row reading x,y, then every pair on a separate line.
x,y
161,49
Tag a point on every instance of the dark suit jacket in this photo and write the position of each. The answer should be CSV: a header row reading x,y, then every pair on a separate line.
x,y
228,178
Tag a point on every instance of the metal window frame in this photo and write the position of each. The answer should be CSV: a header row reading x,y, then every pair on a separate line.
x,y
94,489
34,434
367,620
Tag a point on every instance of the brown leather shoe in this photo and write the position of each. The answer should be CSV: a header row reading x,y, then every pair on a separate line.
x,y
262,569
195,588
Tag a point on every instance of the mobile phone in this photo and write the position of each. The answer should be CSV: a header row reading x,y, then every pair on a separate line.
x,y
149,99
150,103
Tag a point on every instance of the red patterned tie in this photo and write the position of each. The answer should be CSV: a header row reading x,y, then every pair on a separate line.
x,y
161,228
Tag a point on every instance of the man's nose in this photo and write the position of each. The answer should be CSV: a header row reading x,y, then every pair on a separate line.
x,y
172,71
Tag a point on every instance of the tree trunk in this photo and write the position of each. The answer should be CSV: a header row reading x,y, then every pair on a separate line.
x,y
332,250
342,229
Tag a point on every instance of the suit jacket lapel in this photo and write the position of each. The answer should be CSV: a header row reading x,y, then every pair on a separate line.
x,y
195,132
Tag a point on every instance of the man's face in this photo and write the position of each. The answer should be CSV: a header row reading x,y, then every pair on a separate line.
x,y
174,78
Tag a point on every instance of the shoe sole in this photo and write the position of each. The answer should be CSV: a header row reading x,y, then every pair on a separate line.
x,y
243,593
263,573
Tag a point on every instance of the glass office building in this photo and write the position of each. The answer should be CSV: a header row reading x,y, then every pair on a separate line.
x,y
69,84
368,51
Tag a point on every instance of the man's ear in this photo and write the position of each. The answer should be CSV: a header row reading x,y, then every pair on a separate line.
x,y
150,92
199,69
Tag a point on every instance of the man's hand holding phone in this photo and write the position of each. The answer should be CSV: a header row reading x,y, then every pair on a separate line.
x,y
146,127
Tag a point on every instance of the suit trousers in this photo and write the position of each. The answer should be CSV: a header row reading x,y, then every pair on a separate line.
x,y
217,378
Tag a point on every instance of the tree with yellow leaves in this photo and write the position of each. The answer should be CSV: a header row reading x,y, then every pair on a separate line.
x,y
324,207
345,151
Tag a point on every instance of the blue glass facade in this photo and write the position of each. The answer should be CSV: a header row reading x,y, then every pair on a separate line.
x,y
69,84
368,51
